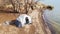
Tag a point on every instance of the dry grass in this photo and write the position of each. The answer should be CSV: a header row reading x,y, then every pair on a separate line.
x,y
37,27
29,29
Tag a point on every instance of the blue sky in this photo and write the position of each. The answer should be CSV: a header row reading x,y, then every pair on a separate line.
x,y
55,13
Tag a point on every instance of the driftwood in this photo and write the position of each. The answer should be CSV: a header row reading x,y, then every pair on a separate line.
x,y
34,9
